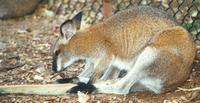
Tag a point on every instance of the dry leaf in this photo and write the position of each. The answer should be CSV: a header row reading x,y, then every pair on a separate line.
x,y
82,98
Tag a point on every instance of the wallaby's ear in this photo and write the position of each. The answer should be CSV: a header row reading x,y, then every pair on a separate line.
x,y
69,27
77,19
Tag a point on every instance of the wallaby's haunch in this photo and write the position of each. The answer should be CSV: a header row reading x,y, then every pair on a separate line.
x,y
148,44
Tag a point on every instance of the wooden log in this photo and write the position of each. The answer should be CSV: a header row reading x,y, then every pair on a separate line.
x,y
46,89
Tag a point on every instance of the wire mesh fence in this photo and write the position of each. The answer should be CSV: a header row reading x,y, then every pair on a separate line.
x,y
186,12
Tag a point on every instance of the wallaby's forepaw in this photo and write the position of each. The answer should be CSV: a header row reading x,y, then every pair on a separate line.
x,y
68,80
82,87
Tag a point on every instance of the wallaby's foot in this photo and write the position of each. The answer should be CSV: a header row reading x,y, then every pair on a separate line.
x,y
82,87
68,80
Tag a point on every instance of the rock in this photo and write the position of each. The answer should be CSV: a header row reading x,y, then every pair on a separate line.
x,y
167,101
21,31
46,12
41,69
37,77
17,8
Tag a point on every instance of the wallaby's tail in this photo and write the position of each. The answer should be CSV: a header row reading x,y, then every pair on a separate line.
x,y
46,89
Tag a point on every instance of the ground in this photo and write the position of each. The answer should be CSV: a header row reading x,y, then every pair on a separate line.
x,y
25,58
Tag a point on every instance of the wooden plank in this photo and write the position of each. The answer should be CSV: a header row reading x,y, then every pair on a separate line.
x,y
46,89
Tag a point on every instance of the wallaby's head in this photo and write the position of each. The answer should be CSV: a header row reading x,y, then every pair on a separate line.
x,y
62,57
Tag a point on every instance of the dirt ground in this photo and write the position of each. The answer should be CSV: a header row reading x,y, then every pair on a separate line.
x,y
25,58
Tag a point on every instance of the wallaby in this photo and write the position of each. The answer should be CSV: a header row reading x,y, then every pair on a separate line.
x,y
153,49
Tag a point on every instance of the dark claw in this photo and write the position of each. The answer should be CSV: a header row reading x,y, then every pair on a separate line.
x,y
68,80
82,87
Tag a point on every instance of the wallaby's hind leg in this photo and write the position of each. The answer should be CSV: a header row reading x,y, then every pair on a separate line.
x,y
107,73
148,84
144,60
112,73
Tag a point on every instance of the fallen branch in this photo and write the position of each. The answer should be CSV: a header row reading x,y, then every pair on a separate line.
x,y
46,89
189,90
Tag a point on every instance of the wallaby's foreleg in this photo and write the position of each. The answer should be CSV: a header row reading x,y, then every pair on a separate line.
x,y
111,73
100,69
107,73
87,72
83,77
89,69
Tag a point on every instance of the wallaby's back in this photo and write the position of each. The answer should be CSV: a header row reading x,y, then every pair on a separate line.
x,y
134,28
